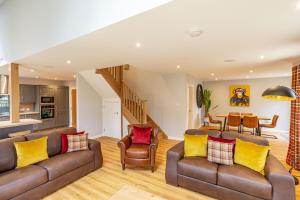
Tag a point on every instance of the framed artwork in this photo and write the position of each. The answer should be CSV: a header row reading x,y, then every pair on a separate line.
x,y
240,95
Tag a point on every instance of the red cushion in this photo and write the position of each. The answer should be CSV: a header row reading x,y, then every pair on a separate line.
x,y
141,135
64,140
221,140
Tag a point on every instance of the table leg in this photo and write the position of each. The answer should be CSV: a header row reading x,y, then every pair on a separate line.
x,y
225,121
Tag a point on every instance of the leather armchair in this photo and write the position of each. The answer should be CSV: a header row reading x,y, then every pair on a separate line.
x,y
138,154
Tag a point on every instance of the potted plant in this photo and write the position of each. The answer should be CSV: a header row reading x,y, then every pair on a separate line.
x,y
206,101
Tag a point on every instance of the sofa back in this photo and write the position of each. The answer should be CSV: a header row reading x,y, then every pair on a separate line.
x,y
248,138
54,138
213,133
8,156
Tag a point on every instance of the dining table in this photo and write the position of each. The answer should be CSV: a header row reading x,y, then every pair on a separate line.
x,y
258,130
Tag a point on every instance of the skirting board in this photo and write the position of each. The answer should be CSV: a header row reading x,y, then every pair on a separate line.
x,y
95,136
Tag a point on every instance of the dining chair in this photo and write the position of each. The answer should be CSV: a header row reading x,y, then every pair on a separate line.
x,y
214,121
234,113
246,114
272,125
234,121
250,122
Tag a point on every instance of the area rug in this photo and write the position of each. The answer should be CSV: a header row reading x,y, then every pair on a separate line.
x,y
132,193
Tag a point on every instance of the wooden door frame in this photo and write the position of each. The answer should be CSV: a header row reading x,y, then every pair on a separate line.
x,y
188,86
74,107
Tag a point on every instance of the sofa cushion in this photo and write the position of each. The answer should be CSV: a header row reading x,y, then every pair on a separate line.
x,y
198,168
245,180
15,182
195,145
8,158
213,133
138,151
64,163
248,138
54,138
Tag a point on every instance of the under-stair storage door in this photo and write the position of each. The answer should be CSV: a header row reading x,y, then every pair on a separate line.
x,y
112,118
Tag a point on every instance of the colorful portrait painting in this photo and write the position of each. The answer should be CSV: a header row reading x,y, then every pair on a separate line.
x,y
240,95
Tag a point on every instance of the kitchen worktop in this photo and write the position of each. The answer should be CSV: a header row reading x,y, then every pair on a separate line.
x,y
21,113
23,122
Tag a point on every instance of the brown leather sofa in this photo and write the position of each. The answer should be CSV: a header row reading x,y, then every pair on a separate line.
x,y
138,154
39,180
229,182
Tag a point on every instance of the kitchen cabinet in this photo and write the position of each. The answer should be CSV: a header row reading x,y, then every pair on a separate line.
x,y
27,93
62,106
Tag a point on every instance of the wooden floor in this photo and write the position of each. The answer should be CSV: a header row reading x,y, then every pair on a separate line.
x,y
103,183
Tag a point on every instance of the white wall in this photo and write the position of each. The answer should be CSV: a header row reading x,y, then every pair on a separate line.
x,y
166,98
258,105
28,27
89,108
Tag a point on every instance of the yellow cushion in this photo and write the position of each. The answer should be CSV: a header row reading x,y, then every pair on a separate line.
x,y
251,155
195,145
30,152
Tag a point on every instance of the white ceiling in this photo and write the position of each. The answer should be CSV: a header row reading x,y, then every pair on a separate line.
x,y
1,2
234,29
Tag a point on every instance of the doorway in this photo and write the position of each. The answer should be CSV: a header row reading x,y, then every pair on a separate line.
x,y
112,118
190,103
74,107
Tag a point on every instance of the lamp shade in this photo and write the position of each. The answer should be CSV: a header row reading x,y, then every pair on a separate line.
x,y
280,93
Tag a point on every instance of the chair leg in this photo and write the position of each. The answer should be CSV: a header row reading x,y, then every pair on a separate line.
x,y
123,167
152,169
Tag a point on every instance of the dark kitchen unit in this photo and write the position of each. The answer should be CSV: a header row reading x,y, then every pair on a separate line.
x,y
47,103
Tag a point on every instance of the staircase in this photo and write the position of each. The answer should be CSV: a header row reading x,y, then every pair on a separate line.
x,y
133,108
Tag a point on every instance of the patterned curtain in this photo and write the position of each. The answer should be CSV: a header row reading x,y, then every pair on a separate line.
x,y
293,156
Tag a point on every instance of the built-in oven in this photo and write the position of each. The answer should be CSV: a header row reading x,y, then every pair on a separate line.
x,y
47,111
47,99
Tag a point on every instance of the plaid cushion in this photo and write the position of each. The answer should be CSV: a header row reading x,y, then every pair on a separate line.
x,y
220,151
77,142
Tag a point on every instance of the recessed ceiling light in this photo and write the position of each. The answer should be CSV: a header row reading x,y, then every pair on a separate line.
x,y
55,78
138,44
68,61
229,60
37,77
195,32
212,74
216,79
74,76
262,57
247,77
178,66
298,5
32,70
251,71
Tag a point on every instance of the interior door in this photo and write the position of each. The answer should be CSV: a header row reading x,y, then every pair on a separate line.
x,y
190,101
112,118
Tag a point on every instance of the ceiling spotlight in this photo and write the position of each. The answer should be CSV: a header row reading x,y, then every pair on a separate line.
x,y
262,57
138,44
32,70
216,79
178,66
251,71
212,74
55,78
229,60
68,62
247,77
74,76
298,5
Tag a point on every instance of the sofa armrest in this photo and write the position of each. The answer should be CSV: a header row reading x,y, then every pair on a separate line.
x,y
124,144
281,180
173,156
95,146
